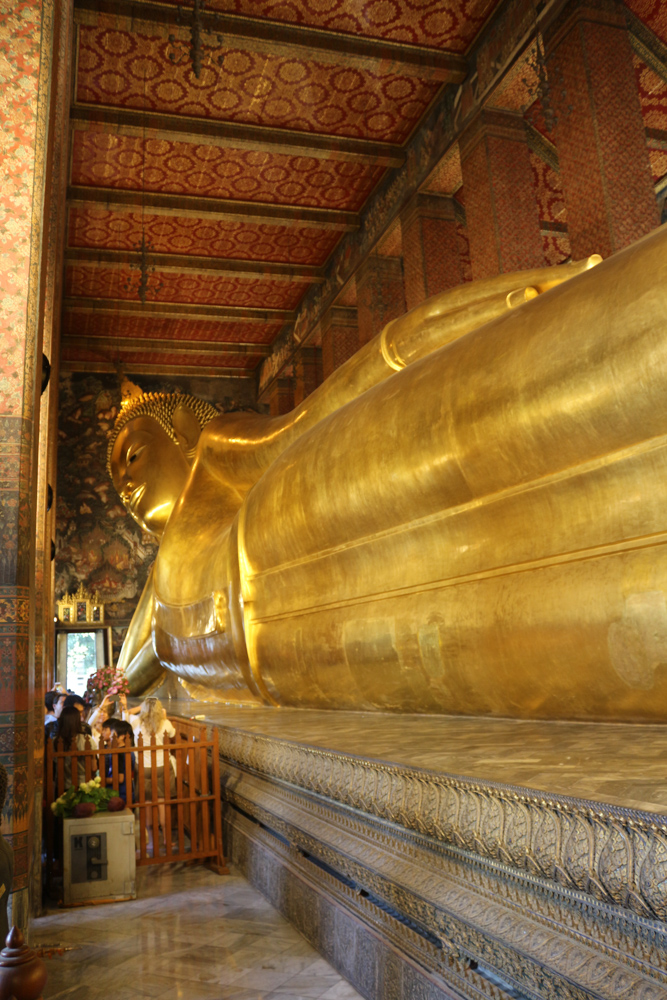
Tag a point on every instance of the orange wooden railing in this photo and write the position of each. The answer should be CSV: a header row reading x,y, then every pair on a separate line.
x,y
192,819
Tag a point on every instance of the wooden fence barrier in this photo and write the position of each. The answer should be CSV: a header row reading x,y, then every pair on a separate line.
x,y
180,799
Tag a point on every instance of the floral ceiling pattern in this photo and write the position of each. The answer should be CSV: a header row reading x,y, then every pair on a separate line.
x,y
211,171
205,289
144,123
417,22
133,70
99,227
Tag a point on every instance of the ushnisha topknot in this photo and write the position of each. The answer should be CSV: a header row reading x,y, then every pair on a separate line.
x,y
160,406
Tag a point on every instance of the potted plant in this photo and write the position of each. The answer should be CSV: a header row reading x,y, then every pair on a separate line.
x,y
86,799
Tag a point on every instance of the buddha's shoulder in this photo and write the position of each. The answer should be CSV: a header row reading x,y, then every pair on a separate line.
x,y
226,429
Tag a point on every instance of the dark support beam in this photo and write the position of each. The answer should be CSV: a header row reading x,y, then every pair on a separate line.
x,y
375,55
176,310
132,368
203,131
159,345
216,209
177,264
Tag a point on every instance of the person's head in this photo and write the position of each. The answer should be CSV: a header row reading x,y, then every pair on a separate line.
x,y
107,730
119,728
152,714
58,704
49,698
69,726
151,450
77,702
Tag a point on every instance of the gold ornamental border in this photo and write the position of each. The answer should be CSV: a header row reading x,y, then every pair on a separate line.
x,y
617,856
532,953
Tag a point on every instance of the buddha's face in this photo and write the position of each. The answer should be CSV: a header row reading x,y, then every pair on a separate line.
x,y
149,471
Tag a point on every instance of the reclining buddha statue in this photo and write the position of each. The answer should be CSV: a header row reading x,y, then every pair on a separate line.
x,y
468,517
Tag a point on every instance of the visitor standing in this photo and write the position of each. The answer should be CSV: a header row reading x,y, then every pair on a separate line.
x,y
152,724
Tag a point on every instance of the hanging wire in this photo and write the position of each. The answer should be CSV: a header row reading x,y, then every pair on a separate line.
x,y
196,48
144,247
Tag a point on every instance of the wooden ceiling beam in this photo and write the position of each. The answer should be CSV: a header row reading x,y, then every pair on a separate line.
x,y
207,132
176,310
137,368
160,345
292,41
169,263
215,209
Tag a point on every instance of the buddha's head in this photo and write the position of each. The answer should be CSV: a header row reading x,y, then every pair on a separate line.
x,y
151,451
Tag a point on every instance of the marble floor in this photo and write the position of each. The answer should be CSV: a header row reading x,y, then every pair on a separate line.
x,y
619,764
190,935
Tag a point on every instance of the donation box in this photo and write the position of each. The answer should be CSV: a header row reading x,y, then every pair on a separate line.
x,y
99,861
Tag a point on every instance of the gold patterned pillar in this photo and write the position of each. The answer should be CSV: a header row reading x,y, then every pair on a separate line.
x,y
431,255
280,396
340,338
34,56
380,294
599,129
307,372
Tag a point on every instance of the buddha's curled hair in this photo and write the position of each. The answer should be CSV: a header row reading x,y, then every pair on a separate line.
x,y
161,406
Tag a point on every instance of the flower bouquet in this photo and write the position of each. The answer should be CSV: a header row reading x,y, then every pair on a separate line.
x,y
107,681
87,799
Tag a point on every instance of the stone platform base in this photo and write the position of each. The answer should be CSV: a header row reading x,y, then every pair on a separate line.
x,y
417,882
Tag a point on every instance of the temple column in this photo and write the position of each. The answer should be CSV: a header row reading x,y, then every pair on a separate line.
x,y
431,259
307,372
501,209
599,131
380,294
340,338
35,45
280,397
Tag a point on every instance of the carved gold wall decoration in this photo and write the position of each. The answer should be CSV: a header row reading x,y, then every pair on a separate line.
x,y
80,608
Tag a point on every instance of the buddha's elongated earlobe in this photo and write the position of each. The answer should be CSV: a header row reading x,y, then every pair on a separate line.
x,y
187,430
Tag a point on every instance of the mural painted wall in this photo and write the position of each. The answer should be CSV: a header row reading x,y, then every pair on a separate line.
x,y
97,542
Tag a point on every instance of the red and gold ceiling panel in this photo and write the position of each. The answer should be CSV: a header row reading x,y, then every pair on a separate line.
x,y
652,96
653,13
133,70
118,328
440,24
243,362
97,281
115,161
102,228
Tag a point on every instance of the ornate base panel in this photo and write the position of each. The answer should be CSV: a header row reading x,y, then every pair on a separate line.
x,y
485,925
382,958
610,854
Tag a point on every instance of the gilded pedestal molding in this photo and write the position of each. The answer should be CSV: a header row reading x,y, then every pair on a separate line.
x,y
614,855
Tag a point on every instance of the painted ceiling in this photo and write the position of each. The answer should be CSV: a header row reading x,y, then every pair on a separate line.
x,y
237,182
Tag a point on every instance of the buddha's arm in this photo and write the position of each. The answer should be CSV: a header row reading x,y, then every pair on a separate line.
x,y
137,658
239,447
